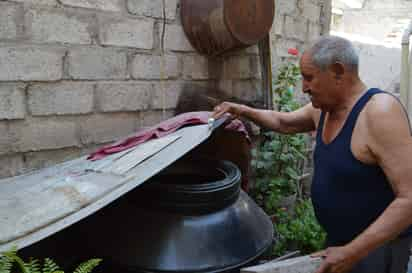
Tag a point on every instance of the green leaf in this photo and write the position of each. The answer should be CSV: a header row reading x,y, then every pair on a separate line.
x,y
6,261
33,266
21,264
49,266
88,266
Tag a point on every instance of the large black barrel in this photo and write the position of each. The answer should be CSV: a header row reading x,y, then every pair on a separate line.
x,y
192,217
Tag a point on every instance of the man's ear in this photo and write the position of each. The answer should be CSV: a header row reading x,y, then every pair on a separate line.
x,y
337,69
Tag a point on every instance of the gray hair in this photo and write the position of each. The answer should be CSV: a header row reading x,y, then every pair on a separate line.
x,y
331,49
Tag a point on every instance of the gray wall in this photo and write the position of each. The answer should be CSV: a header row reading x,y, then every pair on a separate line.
x,y
382,20
77,74
298,23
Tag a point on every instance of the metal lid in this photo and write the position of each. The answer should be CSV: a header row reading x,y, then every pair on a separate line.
x,y
249,21
41,203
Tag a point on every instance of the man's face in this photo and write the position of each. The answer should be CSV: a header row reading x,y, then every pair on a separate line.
x,y
319,85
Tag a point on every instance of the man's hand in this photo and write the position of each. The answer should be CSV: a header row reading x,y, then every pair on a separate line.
x,y
234,109
335,260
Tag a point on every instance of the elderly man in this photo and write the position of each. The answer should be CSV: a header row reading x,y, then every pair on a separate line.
x,y
362,184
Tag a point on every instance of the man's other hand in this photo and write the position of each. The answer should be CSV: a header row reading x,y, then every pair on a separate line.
x,y
235,110
335,260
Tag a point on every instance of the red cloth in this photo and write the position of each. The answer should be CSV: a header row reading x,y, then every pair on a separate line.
x,y
162,129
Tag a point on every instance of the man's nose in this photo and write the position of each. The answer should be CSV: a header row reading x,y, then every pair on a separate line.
x,y
305,88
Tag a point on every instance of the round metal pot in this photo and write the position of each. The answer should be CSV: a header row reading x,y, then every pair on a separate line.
x,y
192,217
214,27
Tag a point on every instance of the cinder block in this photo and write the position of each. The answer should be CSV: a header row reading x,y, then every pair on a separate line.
x,y
6,139
11,165
131,96
313,32
107,5
153,8
286,6
226,86
12,101
295,27
45,25
9,17
196,67
166,95
42,159
238,67
105,128
31,64
126,32
255,67
311,11
39,2
254,49
60,98
247,90
175,39
97,63
150,67
151,118
278,23
41,134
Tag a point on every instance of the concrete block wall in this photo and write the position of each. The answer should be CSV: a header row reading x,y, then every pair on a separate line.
x,y
77,74
297,24
382,20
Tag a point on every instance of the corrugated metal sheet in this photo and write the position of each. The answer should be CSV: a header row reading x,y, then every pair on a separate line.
x,y
39,204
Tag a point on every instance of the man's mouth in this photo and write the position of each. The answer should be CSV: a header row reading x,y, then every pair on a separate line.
x,y
308,92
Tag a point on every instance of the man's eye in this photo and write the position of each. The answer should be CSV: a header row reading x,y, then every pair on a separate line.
x,y
307,78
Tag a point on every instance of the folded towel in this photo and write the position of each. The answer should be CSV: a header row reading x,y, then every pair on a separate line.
x,y
162,129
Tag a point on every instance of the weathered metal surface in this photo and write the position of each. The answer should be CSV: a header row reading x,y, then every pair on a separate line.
x,y
39,204
136,155
216,26
304,264
249,21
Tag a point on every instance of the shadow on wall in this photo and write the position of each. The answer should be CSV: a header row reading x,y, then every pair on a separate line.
x,y
195,97
225,144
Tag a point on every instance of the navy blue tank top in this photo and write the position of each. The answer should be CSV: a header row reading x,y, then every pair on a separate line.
x,y
347,195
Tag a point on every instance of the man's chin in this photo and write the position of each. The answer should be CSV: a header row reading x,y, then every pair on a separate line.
x,y
314,104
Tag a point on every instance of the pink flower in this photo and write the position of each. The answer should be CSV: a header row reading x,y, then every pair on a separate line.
x,y
293,51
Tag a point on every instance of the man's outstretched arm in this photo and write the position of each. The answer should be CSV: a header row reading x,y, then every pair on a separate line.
x,y
299,121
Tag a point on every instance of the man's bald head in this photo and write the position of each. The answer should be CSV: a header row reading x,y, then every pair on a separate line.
x,y
329,50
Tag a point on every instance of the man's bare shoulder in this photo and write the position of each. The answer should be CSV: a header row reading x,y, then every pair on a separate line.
x,y
384,108
386,122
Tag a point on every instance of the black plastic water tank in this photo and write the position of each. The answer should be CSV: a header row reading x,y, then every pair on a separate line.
x,y
191,217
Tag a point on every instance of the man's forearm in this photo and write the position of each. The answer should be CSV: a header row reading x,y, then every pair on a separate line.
x,y
393,221
264,118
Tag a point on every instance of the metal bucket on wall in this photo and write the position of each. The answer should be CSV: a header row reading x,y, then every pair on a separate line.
x,y
214,27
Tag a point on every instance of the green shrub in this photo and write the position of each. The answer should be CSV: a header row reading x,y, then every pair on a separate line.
x,y
277,164
10,262
298,230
